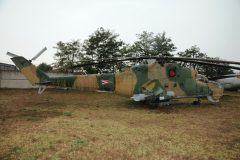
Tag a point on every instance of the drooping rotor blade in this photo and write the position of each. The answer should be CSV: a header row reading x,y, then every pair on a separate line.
x,y
114,60
159,58
103,59
168,58
188,58
203,59
224,76
12,55
210,64
105,62
39,53
180,59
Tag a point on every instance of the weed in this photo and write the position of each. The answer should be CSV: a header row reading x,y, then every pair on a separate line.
x,y
67,114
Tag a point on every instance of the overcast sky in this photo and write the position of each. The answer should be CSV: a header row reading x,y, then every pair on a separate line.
x,y
26,26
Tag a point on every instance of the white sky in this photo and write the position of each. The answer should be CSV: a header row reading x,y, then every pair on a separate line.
x,y
26,26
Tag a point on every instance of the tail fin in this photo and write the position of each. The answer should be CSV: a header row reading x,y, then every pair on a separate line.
x,y
30,71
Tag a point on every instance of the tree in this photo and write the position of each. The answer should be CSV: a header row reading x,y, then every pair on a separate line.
x,y
66,55
44,67
209,71
149,44
100,45
193,52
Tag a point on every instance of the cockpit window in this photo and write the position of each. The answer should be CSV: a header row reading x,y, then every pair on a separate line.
x,y
202,78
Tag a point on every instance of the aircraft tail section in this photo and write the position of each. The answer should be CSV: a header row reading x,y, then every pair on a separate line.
x,y
30,71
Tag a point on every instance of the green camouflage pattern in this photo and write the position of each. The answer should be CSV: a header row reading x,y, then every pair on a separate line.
x,y
146,82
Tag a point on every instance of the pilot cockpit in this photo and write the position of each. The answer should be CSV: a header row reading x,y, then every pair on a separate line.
x,y
202,78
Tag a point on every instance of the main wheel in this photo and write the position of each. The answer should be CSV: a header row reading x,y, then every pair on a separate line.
x,y
153,104
198,102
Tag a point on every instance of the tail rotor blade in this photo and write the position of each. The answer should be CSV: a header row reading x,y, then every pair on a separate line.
x,y
39,53
12,55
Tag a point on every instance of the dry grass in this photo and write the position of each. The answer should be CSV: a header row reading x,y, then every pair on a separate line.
x,y
83,125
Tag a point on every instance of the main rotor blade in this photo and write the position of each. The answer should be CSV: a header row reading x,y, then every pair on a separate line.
x,y
140,58
105,62
39,53
113,60
167,58
224,76
203,59
210,64
103,59
12,55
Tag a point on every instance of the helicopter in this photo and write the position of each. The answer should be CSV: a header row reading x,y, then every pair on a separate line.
x,y
157,83
230,82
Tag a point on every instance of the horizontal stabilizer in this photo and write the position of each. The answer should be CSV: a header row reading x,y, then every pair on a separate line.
x,y
44,83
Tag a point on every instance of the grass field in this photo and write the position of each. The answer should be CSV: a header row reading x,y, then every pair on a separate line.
x,y
85,125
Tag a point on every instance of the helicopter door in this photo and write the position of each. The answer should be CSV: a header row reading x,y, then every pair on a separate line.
x,y
190,87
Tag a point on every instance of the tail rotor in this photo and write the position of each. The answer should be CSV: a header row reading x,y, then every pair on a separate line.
x,y
39,54
33,59
12,55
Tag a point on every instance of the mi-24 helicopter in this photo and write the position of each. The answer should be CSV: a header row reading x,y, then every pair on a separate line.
x,y
157,83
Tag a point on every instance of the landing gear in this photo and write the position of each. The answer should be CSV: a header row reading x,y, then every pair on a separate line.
x,y
198,102
157,103
41,89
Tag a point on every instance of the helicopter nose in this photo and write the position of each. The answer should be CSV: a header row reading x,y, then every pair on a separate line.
x,y
217,90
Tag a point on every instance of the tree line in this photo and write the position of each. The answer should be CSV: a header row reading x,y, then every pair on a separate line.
x,y
104,44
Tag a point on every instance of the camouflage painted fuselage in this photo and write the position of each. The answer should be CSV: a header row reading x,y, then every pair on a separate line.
x,y
143,82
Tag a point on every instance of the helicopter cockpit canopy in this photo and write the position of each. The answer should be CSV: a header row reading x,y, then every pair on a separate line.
x,y
202,78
